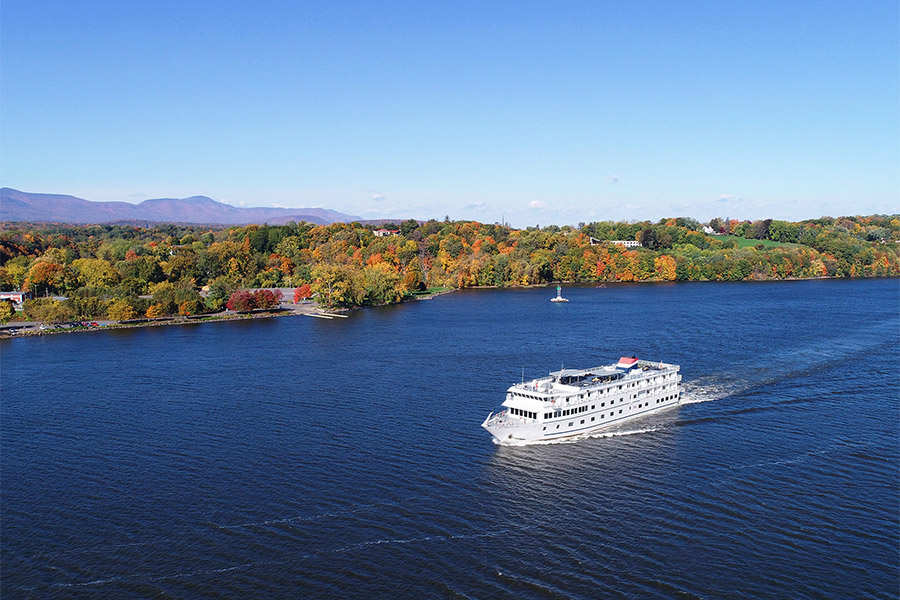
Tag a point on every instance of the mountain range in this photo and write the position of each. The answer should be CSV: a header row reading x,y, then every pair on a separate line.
x,y
56,208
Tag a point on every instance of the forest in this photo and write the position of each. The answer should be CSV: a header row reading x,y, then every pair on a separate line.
x,y
122,271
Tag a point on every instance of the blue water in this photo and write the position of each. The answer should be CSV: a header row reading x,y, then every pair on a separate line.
x,y
306,458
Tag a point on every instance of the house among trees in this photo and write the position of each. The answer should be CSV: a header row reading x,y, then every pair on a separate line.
x,y
386,232
16,297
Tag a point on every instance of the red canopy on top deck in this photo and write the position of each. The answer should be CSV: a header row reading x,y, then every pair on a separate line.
x,y
627,362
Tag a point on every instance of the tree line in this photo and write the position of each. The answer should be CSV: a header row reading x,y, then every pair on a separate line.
x,y
122,272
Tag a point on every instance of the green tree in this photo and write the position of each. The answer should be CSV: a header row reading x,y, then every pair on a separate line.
x,y
220,290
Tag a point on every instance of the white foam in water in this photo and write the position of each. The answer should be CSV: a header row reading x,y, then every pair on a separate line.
x,y
766,369
576,438
707,390
306,518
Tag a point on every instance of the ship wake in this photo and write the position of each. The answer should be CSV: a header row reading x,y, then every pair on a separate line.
x,y
577,438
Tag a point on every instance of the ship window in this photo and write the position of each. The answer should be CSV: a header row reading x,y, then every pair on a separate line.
x,y
557,426
602,404
582,421
592,419
571,423
620,411
545,429
593,406
602,416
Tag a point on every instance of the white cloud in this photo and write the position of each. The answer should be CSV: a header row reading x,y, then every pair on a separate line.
x,y
724,197
475,206
376,197
612,179
537,204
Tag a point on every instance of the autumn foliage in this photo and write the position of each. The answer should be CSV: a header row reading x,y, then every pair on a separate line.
x,y
126,271
244,301
302,293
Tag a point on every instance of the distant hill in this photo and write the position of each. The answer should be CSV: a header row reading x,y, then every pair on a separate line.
x,y
56,208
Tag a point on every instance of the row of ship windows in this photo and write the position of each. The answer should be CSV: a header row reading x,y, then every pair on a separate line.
x,y
603,416
600,393
523,413
572,411
608,391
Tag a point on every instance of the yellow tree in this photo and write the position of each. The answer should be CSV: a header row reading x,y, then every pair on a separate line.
x,y
338,285
120,310
665,267
7,311
95,272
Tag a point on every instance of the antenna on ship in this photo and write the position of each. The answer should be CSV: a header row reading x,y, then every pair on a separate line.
x,y
523,374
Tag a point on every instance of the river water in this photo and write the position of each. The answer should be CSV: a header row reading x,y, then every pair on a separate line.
x,y
344,458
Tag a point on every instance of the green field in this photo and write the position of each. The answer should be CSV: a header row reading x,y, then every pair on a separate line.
x,y
430,291
745,243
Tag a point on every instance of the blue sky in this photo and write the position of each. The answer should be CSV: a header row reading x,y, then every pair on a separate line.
x,y
536,112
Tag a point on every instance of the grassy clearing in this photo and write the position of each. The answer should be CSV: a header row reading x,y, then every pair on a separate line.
x,y
429,291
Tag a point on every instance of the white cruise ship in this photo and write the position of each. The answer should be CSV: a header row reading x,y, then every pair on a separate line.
x,y
576,402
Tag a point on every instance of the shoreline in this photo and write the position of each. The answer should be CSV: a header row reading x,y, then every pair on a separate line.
x,y
10,331
293,310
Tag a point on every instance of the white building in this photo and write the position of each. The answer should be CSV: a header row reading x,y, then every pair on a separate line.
x,y
626,243
17,297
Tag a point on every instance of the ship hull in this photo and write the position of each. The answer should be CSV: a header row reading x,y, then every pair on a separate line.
x,y
517,435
